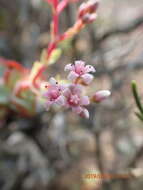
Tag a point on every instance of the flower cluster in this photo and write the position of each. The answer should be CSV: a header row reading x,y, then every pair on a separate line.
x,y
71,95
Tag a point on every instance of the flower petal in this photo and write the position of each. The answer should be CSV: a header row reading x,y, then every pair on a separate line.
x,y
79,63
84,100
52,81
87,78
68,67
72,76
67,92
60,100
90,68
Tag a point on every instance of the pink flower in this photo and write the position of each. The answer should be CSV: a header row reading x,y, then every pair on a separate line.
x,y
75,100
101,95
54,94
79,70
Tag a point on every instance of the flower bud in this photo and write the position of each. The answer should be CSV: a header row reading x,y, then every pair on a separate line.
x,y
84,114
88,18
101,95
88,8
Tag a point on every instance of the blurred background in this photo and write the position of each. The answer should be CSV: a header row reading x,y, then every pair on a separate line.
x,y
54,150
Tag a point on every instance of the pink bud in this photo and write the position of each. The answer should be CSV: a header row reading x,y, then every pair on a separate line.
x,y
88,18
84,113
88,8
101,95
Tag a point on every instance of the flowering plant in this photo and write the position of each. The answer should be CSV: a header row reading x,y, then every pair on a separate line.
x,y
21,89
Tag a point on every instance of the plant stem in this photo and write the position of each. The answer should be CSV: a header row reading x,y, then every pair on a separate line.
x,y
136,96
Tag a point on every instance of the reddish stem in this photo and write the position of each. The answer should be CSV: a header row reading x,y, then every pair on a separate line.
x,y
55,22
51,47
62,5
57,9
41,70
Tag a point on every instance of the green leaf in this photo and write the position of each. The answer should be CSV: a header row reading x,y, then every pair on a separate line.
x,y
26,101
4,95
13,78
56,54
25,104
66,44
